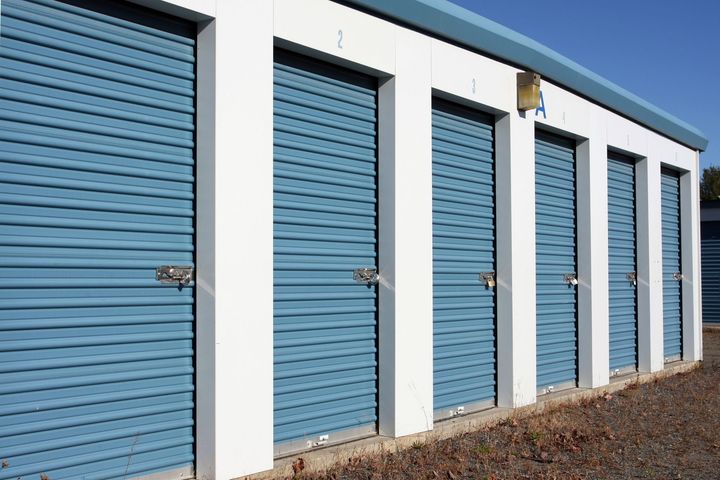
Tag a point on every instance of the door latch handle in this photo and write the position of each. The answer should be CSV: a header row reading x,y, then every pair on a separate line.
x,y
678,276
368,276
488,278
174,274
632,278
571,278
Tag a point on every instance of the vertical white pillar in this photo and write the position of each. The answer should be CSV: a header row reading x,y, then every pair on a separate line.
x,y
690,261
592,255
405,181
515,210
234,414
649,265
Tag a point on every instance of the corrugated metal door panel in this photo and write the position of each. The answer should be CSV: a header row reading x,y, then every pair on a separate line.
x,y
672,301
96,191
622,261
463,247
711,271
325,227
555,238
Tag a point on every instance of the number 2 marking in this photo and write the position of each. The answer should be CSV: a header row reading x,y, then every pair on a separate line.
x,y
340,38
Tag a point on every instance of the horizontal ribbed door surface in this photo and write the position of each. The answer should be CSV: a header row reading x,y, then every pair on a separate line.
x,y
621,262
555,235
710,271
324,228
96,191
463,247
672,301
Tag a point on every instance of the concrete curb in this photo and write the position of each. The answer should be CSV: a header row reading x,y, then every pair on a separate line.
x,y
319,460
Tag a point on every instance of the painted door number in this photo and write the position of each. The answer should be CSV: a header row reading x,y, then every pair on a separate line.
x,y
340,39
474,86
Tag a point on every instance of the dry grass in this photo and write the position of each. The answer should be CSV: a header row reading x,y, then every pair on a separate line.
x,y
667,429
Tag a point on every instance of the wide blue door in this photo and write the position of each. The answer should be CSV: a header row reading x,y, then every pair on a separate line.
x,y
96,191
622,263
672,275
324,228
556,265
710,247
463,250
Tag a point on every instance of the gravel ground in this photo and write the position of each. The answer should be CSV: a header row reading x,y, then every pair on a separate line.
x,y
667,429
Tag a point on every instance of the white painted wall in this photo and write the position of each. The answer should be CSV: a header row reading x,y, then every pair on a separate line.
x,y
234,258
234,415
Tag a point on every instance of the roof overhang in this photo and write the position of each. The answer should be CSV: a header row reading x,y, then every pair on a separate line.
x,y
452,22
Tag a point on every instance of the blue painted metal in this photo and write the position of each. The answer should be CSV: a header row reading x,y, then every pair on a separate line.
x,y
463,247
710,250
672,299
325,226
96,190
452,22
555,237
622,260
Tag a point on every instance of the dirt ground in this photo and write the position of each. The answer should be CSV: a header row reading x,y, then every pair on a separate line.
x,y
667,429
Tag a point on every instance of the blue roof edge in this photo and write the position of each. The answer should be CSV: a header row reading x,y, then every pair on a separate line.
x,y
452,22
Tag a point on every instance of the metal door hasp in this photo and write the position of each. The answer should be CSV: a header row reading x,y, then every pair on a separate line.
x,y
174,274
366,275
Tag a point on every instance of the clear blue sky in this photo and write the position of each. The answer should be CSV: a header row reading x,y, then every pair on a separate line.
x,y
665,51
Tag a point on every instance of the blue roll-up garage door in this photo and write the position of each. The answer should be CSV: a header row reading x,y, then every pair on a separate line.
x,y
96,191
325,228
556,265
672,276
710,254
463,249
622,263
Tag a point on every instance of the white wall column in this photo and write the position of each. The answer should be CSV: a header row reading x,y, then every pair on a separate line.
x,y
405,183
592,257
515,223
690,261
649,265
234,415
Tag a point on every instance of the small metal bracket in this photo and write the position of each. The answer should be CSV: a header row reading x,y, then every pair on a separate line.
x,y
632,277
678,276
488,278
369,276
321,441
570,278
458,411
174,274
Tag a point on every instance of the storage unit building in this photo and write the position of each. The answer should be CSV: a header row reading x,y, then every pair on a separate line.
x,y
710,252
234,231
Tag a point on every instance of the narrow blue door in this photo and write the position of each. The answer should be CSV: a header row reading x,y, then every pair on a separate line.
x,y
325,228
672,274
463,250
710,247
556,265
96,191
622,263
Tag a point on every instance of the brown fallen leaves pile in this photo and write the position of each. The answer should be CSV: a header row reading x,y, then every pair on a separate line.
x,y
667,429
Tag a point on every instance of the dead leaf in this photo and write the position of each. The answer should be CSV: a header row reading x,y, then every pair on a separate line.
x,y
451,475
43,476
5,463
297,466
